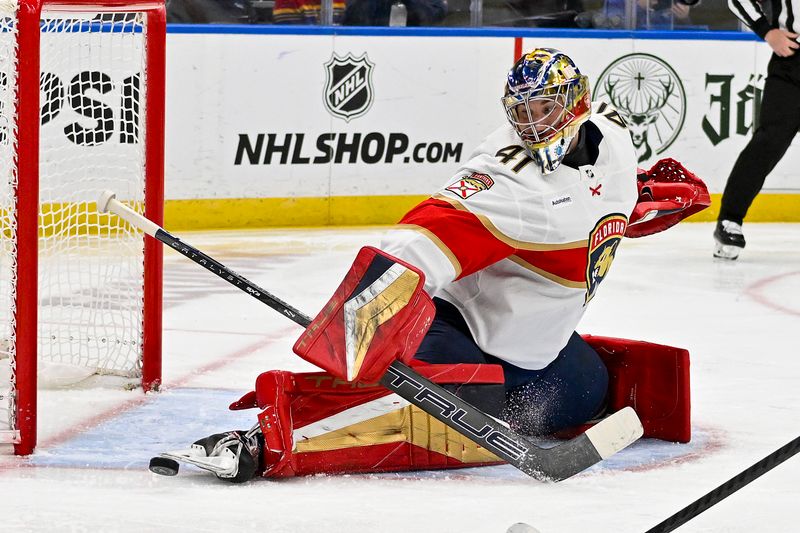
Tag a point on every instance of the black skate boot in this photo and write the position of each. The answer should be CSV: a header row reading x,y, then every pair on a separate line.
x,y
729,239
244,447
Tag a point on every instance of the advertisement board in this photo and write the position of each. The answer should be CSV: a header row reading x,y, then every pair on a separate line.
x,y
325,120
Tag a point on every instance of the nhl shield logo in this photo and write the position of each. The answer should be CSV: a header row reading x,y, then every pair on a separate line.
x,y
348,86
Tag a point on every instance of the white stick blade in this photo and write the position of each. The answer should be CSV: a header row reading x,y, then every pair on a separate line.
x,y
615,432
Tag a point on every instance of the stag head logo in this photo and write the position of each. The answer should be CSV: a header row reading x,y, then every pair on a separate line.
x,y
649,94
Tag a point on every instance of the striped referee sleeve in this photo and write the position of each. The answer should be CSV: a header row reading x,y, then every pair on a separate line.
x,y
750,12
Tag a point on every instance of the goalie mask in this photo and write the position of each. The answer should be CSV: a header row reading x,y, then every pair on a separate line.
x,y
546,100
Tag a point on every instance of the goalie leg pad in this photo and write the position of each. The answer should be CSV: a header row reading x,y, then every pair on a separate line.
x,y
651,378
378,314
316,423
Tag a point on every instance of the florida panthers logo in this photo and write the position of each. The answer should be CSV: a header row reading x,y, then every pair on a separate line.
x,y
466,186
603,242
348,86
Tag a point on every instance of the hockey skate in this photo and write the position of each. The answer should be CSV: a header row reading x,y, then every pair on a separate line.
x,y
233,456
728,240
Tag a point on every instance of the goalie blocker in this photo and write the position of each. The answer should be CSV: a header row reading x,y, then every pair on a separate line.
x,y
380,310
314,423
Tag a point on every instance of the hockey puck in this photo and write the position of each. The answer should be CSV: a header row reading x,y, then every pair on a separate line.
x,y
522,527
164,466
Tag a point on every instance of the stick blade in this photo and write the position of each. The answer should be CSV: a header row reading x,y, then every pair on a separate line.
x,y
616,432
601,441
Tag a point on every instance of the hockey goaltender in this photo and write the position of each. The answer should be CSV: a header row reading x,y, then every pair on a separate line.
x,y
480,288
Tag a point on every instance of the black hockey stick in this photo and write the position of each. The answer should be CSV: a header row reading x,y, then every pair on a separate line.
x,y
556,463
729,487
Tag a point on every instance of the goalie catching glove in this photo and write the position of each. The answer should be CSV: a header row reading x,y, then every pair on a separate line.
x,y
379,314
668,193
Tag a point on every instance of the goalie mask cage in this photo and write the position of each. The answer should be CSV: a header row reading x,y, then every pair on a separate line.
x,y
81,111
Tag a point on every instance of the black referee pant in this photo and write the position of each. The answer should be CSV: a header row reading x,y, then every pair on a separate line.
x,y
778,124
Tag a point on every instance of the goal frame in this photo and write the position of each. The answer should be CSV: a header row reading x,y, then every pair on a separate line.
x,y
27,197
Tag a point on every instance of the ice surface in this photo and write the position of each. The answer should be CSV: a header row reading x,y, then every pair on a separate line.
x,y
740,320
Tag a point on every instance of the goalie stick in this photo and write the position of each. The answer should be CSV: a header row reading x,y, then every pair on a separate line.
x,y
555,463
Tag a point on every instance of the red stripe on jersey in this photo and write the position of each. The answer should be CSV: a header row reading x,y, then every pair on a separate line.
x,y
567,264
461,232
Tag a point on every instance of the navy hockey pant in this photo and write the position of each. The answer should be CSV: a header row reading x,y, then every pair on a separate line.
x,y
567,392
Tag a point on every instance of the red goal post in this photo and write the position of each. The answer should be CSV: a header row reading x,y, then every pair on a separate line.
x,y
78,288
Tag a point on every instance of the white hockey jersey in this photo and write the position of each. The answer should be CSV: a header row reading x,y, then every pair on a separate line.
x,y
518,253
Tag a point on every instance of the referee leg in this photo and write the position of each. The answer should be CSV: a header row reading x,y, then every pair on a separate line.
x,y
778,124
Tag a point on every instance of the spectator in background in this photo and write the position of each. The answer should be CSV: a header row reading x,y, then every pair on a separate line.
x,y
402,12
210,11
304,12
779,119
650,14
543,13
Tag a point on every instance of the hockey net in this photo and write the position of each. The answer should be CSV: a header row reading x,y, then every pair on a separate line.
x,y
86,300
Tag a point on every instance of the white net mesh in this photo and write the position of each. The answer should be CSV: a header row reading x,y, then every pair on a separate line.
x,y
90,274
90,282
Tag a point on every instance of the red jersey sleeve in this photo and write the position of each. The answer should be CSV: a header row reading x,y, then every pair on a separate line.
x,y
463,234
